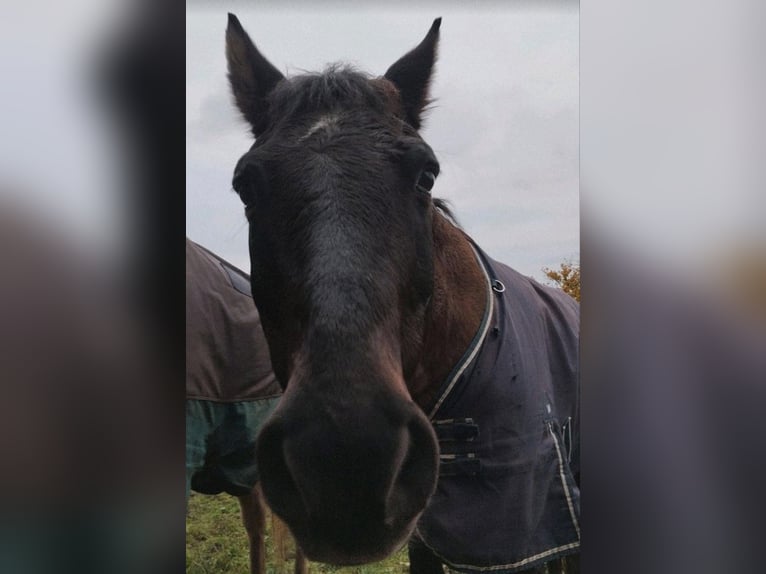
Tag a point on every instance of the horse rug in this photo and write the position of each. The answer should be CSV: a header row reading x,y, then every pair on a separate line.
x,y
231,389
507,420
227,357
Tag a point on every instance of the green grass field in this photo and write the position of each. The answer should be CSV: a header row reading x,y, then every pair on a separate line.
x,y
216,543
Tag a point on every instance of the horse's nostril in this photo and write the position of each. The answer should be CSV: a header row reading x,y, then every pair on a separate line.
x,y
277,480
416,479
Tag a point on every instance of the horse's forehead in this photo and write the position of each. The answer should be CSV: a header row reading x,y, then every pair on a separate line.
x,y
363,131
326,123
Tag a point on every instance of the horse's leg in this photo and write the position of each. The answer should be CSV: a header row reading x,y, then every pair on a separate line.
x,y
422,560
279,534
301,564
254,520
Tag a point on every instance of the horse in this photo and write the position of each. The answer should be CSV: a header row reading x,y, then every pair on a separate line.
x,y
430,392
230,391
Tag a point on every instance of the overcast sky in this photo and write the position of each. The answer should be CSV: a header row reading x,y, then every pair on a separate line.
x,y
504,126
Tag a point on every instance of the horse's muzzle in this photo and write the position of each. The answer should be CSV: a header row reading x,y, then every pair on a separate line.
x,y
349,479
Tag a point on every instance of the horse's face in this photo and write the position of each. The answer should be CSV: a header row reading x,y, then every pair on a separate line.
x,y
337,193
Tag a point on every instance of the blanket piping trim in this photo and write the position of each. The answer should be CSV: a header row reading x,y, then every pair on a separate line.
x,y
525,561
564,482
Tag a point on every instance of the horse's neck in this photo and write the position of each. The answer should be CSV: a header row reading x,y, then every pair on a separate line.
x,y
456,310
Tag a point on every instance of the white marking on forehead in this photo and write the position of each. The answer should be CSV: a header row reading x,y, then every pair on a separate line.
x,y
322,123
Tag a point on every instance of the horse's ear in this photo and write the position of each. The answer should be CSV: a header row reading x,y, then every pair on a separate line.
x,y
412,75
251,75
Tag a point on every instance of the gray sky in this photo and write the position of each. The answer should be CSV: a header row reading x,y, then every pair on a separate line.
x,y
59,156
504,126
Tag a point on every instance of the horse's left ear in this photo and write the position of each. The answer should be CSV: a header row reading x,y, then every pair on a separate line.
x,y
411,74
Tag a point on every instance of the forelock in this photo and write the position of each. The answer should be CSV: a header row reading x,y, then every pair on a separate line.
x,y
338,87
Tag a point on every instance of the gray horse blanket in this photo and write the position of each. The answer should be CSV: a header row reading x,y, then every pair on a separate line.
x,y
507,420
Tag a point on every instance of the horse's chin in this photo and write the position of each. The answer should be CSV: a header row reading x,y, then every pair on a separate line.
x,y
357,552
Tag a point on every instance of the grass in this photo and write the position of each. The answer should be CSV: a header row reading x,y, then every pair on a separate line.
x,y
216,543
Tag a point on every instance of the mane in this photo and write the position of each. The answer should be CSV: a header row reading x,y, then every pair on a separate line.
x,y
338,86
443,207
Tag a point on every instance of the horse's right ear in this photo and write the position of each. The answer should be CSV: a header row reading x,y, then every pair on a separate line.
x,y
252,77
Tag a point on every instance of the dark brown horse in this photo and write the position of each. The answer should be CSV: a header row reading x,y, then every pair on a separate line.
x,y
378,310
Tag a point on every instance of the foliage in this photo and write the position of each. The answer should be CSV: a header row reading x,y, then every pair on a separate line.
x,y
566,277
216,543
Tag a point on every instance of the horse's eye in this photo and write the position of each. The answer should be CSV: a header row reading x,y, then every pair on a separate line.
x,y
426,181
238,183
244,188
245,182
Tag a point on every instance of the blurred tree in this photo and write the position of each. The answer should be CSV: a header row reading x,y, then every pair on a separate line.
x,y
566,277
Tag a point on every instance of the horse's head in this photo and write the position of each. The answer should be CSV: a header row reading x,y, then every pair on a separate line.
x,y
337,193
